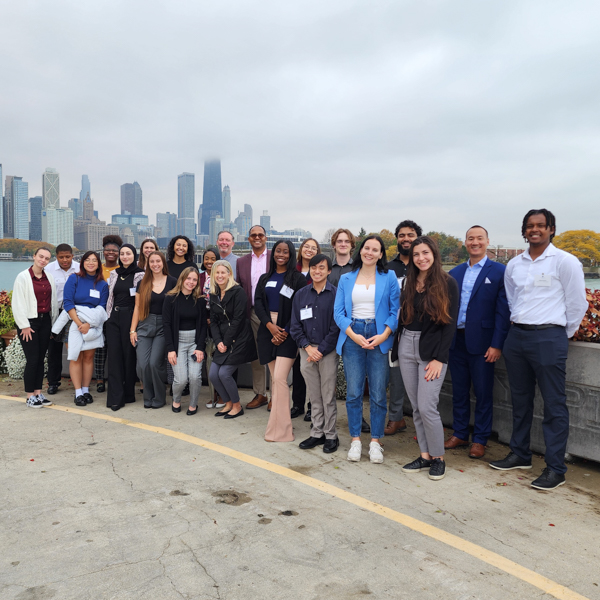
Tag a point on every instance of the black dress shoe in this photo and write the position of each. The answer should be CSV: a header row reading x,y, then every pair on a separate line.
x,y
158,404
548,480
147,403
88,398
331,446
308,415
230,416
176,408
311,442
365,427
52,389
101,387
191,412
512,461
296,412
80,401
116,407
222,413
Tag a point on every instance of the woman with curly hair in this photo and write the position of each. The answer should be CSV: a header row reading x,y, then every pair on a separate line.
x,y
180,255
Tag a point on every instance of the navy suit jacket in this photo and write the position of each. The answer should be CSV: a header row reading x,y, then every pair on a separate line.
x,y
488,316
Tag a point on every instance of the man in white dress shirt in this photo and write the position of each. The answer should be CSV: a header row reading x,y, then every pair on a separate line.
x,y
546,295
60,269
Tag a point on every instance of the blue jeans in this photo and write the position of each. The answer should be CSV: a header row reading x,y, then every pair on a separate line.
x,y
358,364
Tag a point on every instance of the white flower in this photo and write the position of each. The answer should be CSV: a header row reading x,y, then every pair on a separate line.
x,y
15,360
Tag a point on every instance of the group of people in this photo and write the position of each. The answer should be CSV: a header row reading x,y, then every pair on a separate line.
x,y
399,324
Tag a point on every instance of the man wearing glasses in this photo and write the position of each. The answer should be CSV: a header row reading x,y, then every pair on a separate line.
x,y
343,243
249,269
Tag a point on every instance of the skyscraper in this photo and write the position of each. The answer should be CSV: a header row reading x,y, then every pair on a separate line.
x,y
226,205
16,214
212,194
51,188
248,211
186,201
131,199
57,226
265,221
167,223
1,206
85,189
76,206
35,218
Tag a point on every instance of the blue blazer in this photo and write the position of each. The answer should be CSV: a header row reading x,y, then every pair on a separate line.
x,y
488,316
387,304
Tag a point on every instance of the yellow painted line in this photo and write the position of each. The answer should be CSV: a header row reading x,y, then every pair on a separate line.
x,y
491,558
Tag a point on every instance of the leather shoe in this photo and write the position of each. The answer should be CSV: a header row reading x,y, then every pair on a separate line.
x,y
258,401
101,387
222,413
176,408
454,442
269,406
230,416
331,446
395,427
312,442
308,415
512,461
191,412
548,480
88,398
365,427
53,389
80,401
477,451
296,412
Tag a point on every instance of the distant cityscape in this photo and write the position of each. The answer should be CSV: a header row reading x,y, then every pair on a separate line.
x,y
42,218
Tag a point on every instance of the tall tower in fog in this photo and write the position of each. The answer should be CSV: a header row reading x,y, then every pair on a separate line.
x,y
212,194
186,200
51,189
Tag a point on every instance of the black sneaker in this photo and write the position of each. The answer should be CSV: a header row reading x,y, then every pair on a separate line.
x,y
437,469
44,400
418,465
512,461
34,402
548,480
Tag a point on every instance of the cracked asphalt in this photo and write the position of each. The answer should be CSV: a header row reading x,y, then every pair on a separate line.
x,y
93,509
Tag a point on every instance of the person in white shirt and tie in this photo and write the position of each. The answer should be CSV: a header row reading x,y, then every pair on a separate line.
x,y
546,296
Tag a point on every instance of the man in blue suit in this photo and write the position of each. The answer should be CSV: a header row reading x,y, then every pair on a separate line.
x,y
482,327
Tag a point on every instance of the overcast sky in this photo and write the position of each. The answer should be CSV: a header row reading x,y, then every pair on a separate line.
x,y
325,113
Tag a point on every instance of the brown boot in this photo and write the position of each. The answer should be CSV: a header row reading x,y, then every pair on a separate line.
x,y
256,402
455,442
395,427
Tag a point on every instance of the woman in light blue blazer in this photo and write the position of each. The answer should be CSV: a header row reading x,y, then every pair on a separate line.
x,y
366,311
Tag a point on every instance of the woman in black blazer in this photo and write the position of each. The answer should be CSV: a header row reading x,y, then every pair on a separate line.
x,y
273,306
232,336
428,312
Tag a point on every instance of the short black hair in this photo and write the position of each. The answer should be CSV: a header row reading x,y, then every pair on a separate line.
x,y
64,248
550,220
408,223
478,227
318,259
112,239
253,226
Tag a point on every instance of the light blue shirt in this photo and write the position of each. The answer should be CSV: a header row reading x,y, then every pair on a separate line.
x,y
469,280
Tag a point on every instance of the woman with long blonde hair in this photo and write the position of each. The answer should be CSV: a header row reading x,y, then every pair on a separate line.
x,y
147,332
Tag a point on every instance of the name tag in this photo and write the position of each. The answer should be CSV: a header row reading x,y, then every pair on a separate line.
x,y
306,313
271,284
543,280
94,293
400,280
132,291
286,291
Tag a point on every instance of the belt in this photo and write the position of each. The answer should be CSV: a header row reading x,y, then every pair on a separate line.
x,y
42,315
535,327
118,308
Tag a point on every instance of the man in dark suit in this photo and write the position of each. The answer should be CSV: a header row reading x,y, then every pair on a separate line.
x,y
482,327
249,269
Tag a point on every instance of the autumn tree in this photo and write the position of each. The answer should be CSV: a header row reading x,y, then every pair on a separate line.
x,y
451,248
582,243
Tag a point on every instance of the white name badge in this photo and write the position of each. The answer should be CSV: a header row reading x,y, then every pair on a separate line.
x,y
543,280
286,291
94,293
400,280
271,284
306,313
132,291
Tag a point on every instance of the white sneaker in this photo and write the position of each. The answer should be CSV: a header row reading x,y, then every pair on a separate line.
x,y
34,402
376,452
45,401
210,405
355,451
220,404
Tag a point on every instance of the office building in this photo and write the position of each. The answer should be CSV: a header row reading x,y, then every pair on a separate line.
x,y
265,221
76,206
243,223
248,211
186,204
16,208
131,199
215,225
166,225
127,219
50,189
35,218
88,236
85,192
57,226
212,195
1,205
202,241
227,204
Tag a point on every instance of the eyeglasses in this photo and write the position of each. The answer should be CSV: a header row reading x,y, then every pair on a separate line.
x,y
313,248
257,235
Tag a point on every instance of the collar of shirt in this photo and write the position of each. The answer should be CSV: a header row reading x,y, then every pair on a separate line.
x,y
335,262
254,257
477,264
328,288
549,251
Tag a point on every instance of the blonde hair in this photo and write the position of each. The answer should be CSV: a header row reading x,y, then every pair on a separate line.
x,y
230,283
184,275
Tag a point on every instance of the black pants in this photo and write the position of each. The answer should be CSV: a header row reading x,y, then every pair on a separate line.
x,y
121,358
55,352
298,386
35,352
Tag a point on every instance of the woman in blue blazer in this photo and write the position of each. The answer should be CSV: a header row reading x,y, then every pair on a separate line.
x,y
366,311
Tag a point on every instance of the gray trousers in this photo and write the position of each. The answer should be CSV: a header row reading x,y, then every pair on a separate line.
x,y
320,378
397,393
187,369
424,395
151,359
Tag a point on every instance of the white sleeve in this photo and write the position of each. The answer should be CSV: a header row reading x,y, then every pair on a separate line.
x,y
509,286
19,302
572,280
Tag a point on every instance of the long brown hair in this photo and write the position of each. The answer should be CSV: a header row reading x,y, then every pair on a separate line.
x,y
142,259
299,257
436,298
184,275
146,285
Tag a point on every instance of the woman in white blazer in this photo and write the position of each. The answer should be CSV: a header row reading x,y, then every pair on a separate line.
x,y
35,308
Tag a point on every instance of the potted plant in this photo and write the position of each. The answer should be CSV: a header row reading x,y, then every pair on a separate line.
x,y
8,329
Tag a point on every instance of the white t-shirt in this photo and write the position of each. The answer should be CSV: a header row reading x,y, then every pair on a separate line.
x,y
363,302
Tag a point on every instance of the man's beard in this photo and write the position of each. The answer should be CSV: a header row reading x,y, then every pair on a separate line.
x,y
403,251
